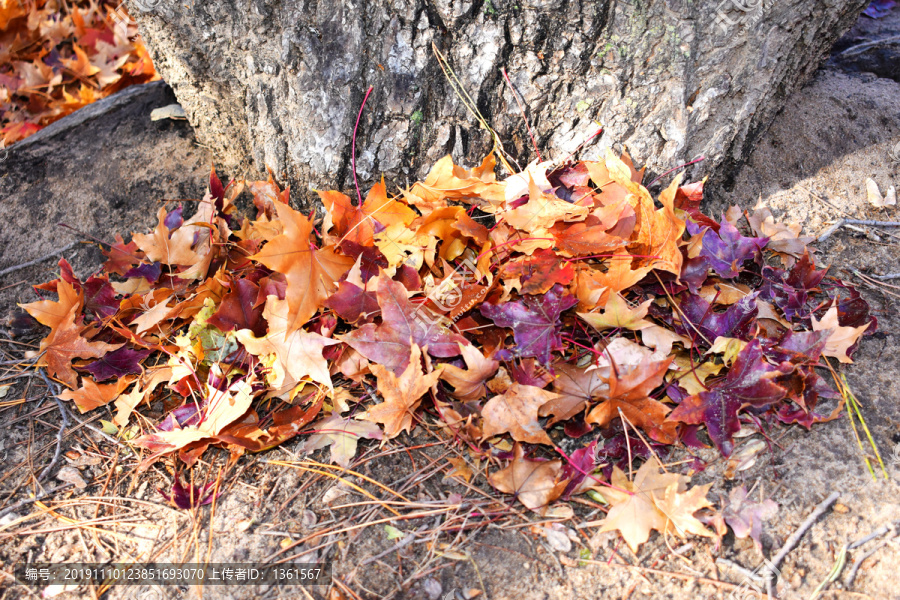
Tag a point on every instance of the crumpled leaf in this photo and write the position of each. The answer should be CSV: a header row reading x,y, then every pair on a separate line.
x,y
91,395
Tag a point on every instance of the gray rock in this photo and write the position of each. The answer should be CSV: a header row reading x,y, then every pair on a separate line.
x,y
279,84
102,170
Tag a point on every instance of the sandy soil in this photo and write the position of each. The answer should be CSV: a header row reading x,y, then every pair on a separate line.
x,y
809,168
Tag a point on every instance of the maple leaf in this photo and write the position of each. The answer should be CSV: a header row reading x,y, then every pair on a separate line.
x,y
310,274
52,313
575,388
91,395
358,223
745,518
749,382
618,314
534,483
841,340
538,272
64,344
118,363
782,238
402,395
727,250
353,303
657,233
587,237
738,321
454,228
388,343
342,435
543,210
446,180
534,321
468,384
653,500
516,411
628,395
291,355
239,309
222,407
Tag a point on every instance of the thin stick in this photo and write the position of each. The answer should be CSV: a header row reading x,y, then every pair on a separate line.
x,y
860,48
40,496
36,261
353,150
792,541
684,576
524,117
54,389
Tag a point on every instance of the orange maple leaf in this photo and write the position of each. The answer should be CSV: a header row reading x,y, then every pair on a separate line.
x,y
310,273
64,344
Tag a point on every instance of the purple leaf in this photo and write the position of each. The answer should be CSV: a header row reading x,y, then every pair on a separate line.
x,y
727,250
118,363
187,497
238,309
749,383
879,8
746,518
738,321
534,321
100,297
150,272
352,304
174,219
798,347
790,290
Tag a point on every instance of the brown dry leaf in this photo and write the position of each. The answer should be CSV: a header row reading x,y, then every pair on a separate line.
x,y
292,356
516,411
576,388
657,233
92,395
841,338
468,384
402,395
64,344
654,500
535,483
310,273
629,394
126,403
51,313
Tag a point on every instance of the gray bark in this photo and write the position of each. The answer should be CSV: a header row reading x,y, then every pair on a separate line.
x,y
279,83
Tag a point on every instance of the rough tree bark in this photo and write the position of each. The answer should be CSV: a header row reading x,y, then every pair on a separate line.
x,y
278,83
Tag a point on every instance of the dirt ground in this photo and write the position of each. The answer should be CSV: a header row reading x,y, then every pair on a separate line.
x,y
810,168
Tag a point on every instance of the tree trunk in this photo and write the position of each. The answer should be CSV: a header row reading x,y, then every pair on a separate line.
x,y
279,83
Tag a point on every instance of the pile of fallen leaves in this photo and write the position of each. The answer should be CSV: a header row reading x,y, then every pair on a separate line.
x,y
561,306
57,56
